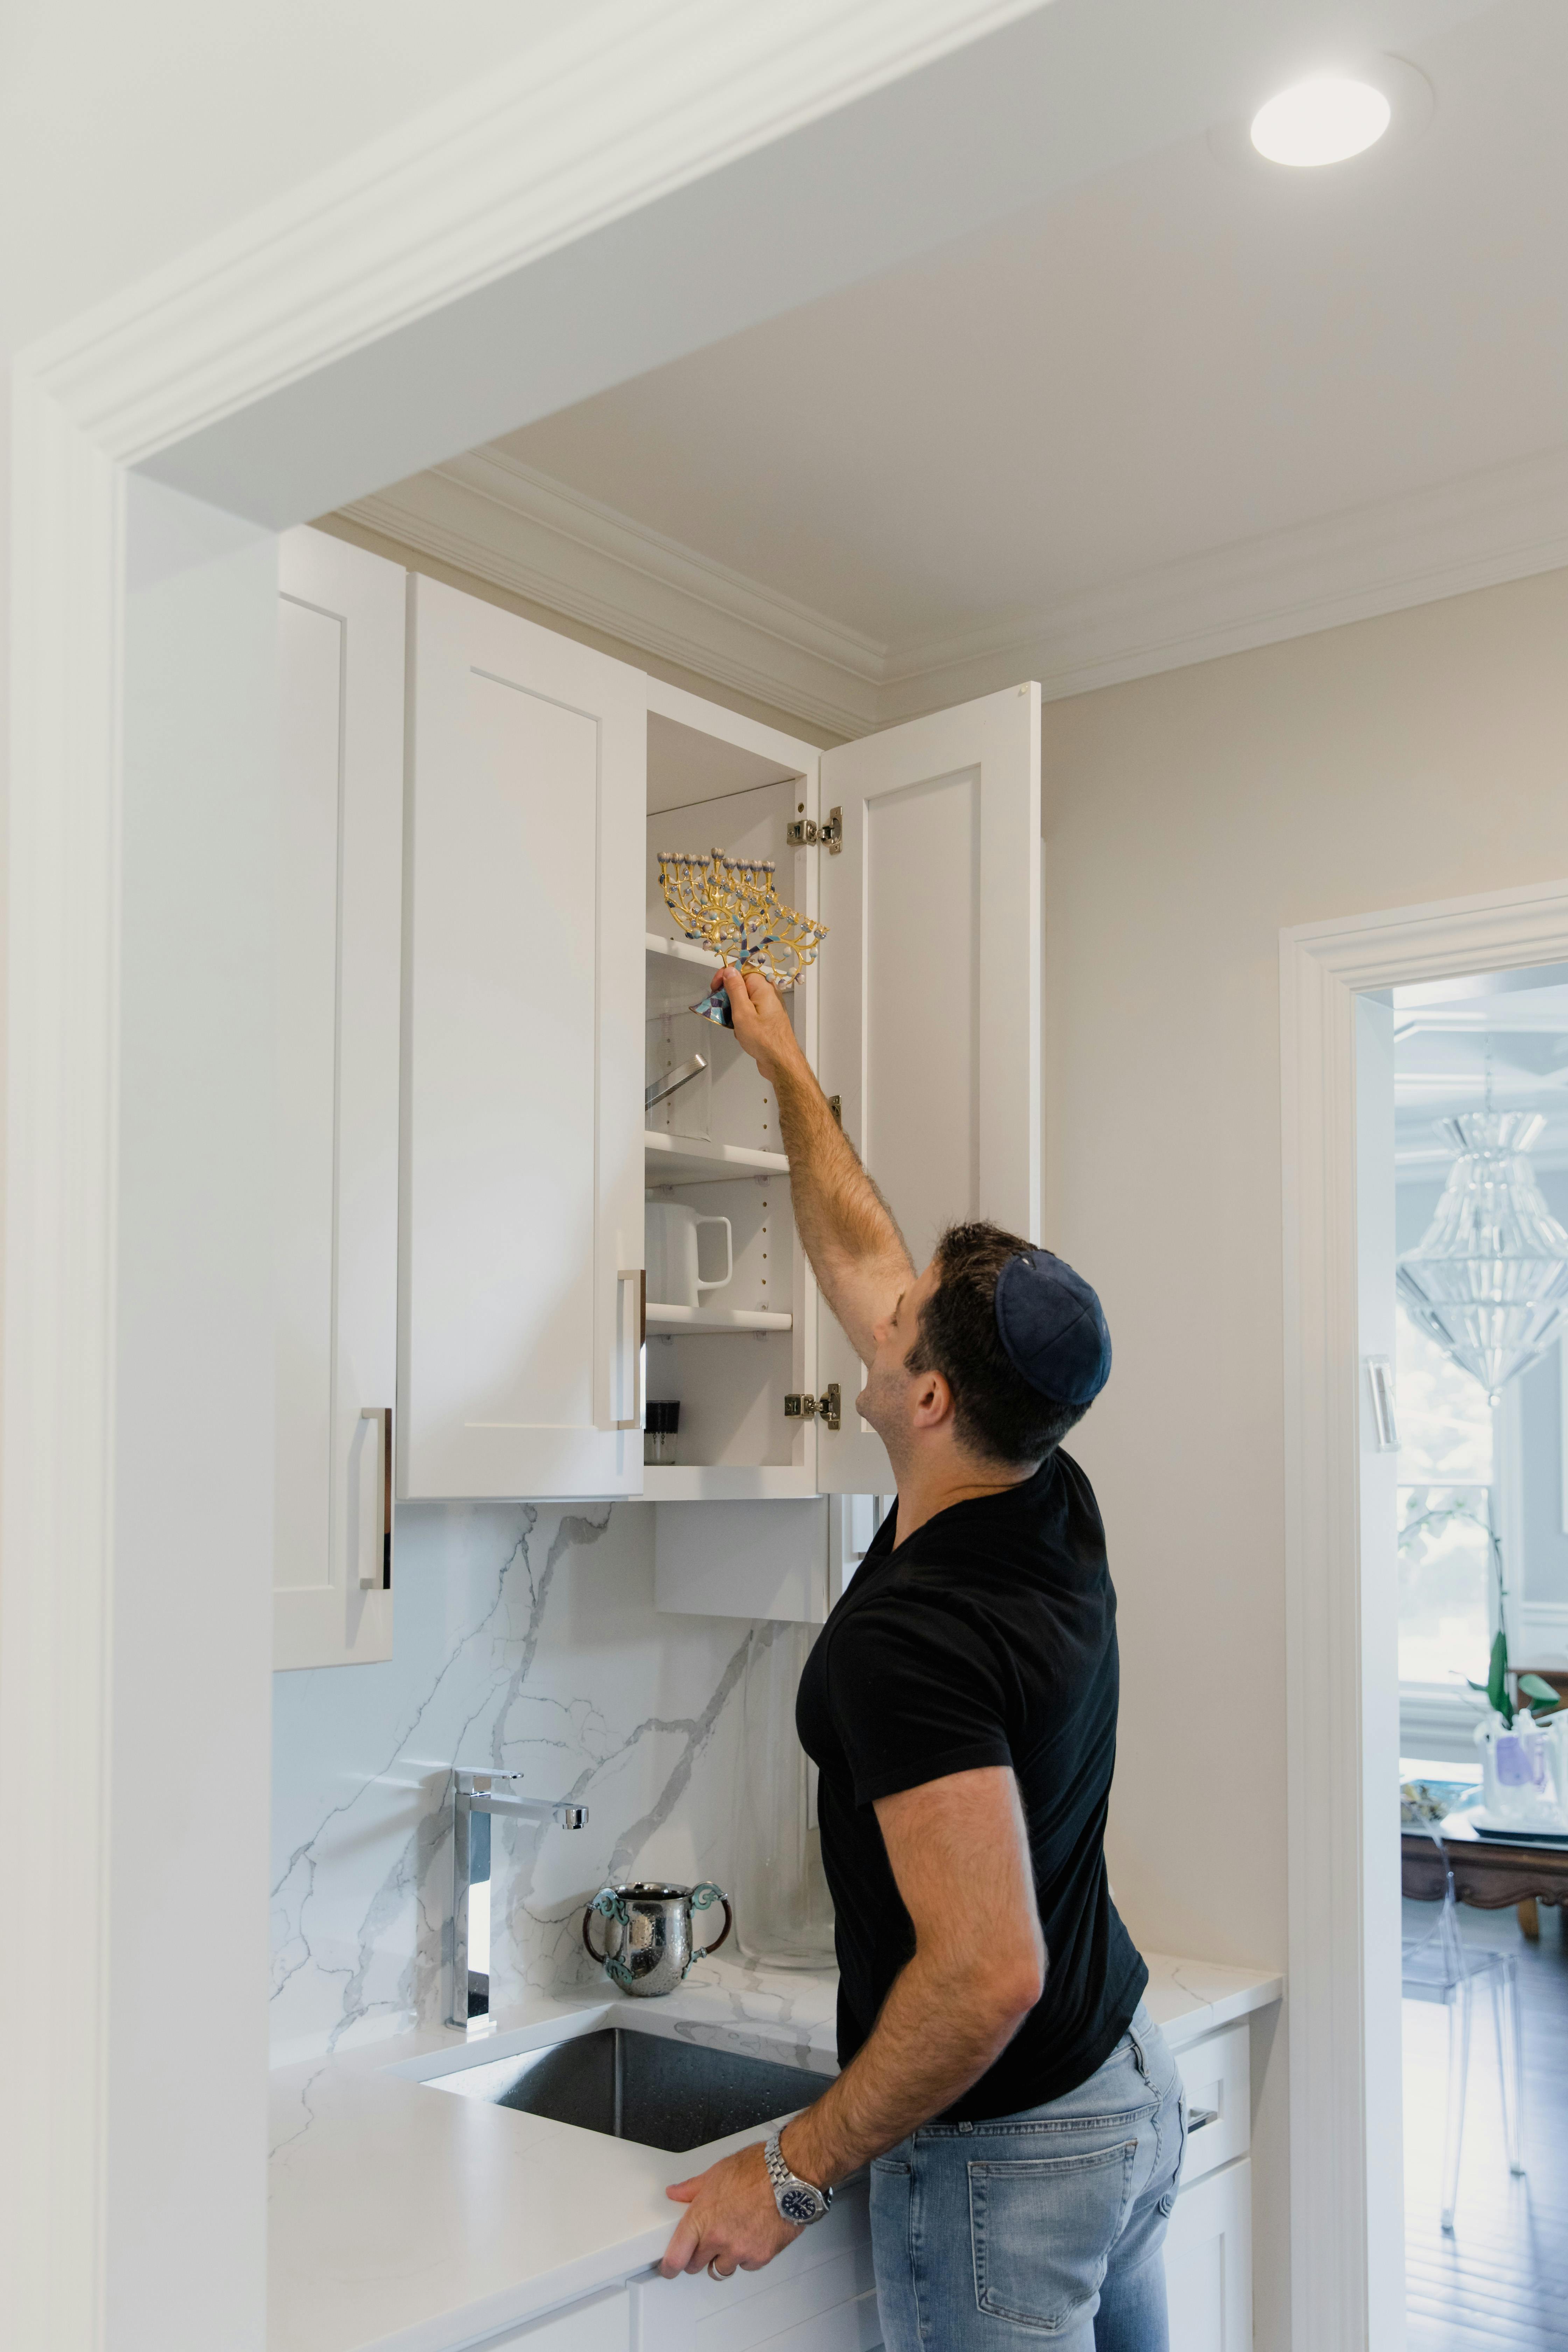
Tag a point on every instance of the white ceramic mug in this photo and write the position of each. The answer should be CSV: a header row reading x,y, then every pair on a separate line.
x,y
669,1230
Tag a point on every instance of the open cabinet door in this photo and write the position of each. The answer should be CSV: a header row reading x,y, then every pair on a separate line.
x,y
929,1001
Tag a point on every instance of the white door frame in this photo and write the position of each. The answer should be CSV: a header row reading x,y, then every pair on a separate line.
x,y
267,372
1342,1831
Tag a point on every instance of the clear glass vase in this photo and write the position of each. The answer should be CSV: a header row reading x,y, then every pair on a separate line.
x,y
784,1916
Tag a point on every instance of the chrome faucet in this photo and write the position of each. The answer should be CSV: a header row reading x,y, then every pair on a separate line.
x,y
475,1797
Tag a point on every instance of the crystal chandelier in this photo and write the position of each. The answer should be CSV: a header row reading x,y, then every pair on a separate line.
x,y
1488,1279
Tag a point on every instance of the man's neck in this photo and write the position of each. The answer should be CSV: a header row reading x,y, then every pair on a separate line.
x,y
926,1488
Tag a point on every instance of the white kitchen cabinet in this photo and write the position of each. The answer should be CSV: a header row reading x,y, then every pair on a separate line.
x,y
818,2295
523,1165
717,781
930,991
1216,2076
547,979
341,655
1208,2263
925,997
597,2323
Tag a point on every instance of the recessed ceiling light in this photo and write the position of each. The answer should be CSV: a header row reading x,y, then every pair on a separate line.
x,y
1324,120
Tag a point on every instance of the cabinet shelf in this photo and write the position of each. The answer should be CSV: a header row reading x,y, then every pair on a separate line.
x,y
688,1159
679,952
716,1318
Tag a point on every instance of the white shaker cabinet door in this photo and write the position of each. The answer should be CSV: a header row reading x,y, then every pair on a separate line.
x,y
523,1177
341,641
930,997
1208,2264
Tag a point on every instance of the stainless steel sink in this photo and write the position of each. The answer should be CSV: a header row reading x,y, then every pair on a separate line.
x,y
640,2086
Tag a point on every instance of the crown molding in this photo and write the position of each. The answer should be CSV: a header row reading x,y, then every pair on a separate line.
x,y
1476,531
619,105
492,516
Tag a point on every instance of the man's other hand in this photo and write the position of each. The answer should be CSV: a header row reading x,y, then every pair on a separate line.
x,y
731,2219
762,1024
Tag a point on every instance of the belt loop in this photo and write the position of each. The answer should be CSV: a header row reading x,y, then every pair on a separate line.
x,y
1139,2057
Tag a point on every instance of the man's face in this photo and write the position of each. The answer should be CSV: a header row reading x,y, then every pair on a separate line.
x,y
887,1399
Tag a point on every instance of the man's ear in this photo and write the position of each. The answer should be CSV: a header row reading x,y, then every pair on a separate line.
x,y
933,1402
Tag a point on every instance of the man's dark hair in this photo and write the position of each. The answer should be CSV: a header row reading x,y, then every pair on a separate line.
x,y
995,1412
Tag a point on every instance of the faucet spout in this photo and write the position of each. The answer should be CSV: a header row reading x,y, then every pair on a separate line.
x,y
475,1797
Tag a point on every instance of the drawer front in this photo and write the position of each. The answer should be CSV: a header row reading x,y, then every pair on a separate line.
x,y
1217,2074
818,2295
1208,2264
600,2323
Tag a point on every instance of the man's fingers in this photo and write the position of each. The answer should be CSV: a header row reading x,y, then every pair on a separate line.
x,y
684,2191
737,991
682,2247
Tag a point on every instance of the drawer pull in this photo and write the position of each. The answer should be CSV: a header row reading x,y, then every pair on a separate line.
x,y
1198,2116
377,1572
637,1338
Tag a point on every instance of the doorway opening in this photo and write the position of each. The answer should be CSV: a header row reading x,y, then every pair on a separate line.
x,y
1463,1285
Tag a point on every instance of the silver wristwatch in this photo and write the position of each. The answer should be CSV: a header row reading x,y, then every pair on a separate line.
x,y
796,2200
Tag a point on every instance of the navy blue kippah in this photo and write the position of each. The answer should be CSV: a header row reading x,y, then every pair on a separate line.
x,y
1053,1327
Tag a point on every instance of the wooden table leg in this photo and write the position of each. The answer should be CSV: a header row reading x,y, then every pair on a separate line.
x,y
1530,1918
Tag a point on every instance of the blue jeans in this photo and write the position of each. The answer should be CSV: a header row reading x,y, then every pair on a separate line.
x,y
1039,2228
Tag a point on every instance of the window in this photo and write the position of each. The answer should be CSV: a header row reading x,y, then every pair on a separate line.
x,y
1447,1504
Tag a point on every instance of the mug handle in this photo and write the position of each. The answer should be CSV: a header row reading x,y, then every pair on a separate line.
x,y
728,1273
701,1898
609,1907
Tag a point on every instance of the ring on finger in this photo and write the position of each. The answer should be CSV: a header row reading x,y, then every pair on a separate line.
x,y
715,2272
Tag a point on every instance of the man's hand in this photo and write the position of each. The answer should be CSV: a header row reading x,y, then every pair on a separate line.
x,y
762,1024
731,2219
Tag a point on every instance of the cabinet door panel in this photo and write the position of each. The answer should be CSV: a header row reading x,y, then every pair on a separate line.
x,y
1208,2264
930,990
523,1136
341,640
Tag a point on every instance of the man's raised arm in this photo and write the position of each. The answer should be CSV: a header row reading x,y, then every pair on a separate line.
x,y
856,1249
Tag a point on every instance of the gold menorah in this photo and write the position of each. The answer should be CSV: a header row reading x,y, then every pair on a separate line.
x,y
729,905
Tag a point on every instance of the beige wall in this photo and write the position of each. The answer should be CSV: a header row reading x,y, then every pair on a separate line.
x,y
1188,817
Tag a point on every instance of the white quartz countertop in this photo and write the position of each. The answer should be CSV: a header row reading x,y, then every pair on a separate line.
x,y
406,2221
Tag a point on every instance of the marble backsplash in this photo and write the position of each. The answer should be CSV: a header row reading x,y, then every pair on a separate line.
x,y
526,1640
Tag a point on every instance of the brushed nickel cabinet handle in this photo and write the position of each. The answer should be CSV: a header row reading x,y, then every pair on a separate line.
x,y
378,1573
639,1338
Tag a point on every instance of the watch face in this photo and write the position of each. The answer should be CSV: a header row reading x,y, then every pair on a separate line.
x,y
800,2205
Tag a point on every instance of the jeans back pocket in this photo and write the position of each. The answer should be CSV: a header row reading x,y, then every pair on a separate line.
x,y
1042,2228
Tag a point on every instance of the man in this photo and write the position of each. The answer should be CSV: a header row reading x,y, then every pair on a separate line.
x,y
1017,2105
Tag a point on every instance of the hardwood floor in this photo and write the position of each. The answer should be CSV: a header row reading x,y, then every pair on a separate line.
x,y
1500,2279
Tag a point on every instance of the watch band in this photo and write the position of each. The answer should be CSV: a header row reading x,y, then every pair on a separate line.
x,y
796,2200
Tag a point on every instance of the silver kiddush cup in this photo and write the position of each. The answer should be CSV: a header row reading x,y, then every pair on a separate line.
x,y
648,1944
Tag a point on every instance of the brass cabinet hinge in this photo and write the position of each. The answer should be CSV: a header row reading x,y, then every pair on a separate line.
x,y
805,832
809,1407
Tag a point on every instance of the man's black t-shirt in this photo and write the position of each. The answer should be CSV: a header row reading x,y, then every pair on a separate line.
x,y
988,1638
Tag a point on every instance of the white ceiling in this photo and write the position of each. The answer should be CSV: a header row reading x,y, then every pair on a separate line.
x,y
1182,405
1178,356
